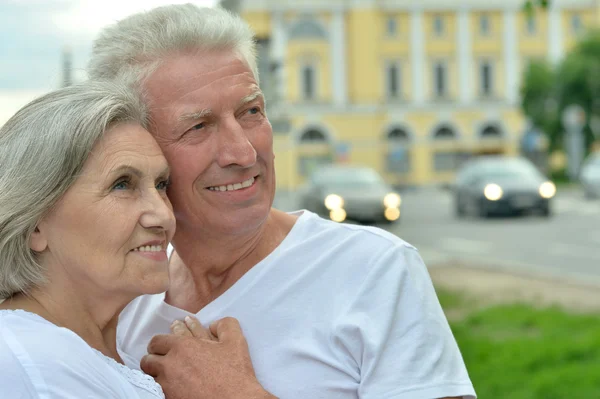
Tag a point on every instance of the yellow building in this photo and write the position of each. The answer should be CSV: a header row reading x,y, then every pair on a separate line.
x,y
411,88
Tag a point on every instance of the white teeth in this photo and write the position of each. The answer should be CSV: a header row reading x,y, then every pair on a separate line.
x,y
233,187
149,248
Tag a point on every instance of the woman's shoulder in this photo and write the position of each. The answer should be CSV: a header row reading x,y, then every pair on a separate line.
x,y
31,333
45,357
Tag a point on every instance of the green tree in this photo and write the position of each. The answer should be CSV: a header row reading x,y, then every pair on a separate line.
x,y
547,90
539,99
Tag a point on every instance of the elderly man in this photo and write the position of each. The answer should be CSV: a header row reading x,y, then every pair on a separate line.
x,y
328,310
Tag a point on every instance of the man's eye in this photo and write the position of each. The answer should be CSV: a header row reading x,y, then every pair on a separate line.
x,y
198,126
163,185
254,110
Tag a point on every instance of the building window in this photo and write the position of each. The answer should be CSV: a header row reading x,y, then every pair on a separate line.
x,y
391,27
484,25
308,80
398,155
491,132
576,24
438,26
313,136
440,79
486,77
393,75
447,159
531,25
444,133
320,153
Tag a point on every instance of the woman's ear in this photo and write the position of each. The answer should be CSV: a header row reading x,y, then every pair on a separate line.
x,y
37,241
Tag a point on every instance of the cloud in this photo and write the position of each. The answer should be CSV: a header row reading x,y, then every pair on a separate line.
x,y
35,32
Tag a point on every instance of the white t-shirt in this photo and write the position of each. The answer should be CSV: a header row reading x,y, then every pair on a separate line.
x,y
337,311
39,360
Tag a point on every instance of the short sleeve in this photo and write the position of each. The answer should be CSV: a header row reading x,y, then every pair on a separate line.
x,y
397,333
14,382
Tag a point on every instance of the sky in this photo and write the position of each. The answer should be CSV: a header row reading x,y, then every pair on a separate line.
x,y
33,34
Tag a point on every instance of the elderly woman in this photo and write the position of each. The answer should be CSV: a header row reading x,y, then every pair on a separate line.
x,y
84,227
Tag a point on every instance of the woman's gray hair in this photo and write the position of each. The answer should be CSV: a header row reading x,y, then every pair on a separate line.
x,y
42,150
133,48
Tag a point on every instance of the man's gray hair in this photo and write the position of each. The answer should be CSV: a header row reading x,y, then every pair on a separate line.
x,y
42,150
133,48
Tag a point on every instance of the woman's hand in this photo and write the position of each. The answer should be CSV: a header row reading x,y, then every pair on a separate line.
x,y
191,327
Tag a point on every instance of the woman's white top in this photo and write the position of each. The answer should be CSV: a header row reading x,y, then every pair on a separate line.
x,y
41,360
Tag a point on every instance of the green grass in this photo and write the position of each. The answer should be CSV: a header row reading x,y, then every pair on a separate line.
x,y
521,352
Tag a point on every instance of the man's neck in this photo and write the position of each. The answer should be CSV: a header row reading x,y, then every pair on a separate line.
x,y
203,269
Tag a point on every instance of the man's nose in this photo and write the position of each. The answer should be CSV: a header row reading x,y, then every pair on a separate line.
x,y
234,148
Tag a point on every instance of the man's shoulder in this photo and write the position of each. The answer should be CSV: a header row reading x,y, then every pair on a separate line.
x,y
347,236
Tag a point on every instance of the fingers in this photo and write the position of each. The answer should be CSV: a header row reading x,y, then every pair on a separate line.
x,y
227,329
179,328
197,329
161,344
151,365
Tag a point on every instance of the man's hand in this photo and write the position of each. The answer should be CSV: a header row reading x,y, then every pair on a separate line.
x,y
198,363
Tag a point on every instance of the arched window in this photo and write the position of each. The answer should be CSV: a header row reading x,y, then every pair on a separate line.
x,y
491,132
398,135
444,133
313,136
398,159
307,28
446,159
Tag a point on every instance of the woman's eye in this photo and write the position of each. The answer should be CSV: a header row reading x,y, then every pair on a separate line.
x,y
121,185
163,185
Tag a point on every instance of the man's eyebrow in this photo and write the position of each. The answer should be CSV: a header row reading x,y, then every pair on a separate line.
x,y
257,93
190,116
195,115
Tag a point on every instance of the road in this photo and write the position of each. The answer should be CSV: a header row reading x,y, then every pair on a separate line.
x,y
564,245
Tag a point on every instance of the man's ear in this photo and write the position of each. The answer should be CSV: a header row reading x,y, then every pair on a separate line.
x,y
37,241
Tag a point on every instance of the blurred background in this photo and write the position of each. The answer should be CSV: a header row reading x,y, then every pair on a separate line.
x,y
468,128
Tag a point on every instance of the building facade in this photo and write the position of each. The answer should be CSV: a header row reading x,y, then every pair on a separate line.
x,y
411,88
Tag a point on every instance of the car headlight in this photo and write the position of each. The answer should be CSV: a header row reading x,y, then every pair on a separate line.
x,y
493,192
547,190
392,200
334,201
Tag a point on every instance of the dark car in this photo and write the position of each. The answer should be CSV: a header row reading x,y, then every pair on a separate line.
x,y
501,185
354,192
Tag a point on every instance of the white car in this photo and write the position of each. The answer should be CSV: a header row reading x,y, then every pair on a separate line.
x,y
589,176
